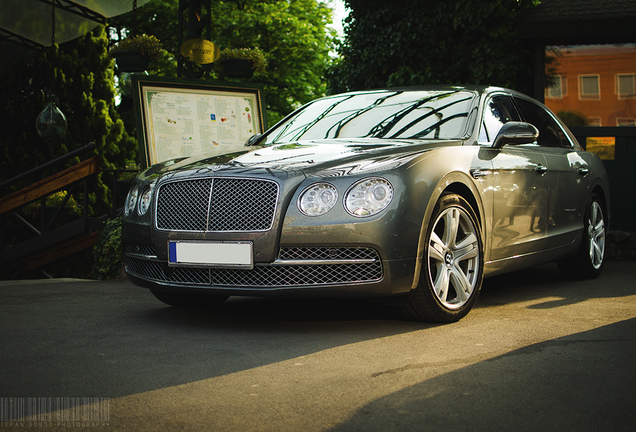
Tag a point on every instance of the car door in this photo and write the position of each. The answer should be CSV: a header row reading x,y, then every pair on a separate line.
x,y
521,187
567,171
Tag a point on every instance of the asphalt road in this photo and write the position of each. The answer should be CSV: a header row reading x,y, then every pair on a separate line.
x,y
538,353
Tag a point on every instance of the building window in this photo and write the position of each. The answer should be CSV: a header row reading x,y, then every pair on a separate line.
x,y
589,87
625,85
558,89
625,121
594,121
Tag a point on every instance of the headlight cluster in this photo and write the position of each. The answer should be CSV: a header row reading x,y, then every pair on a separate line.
x,y
318,199
141,201
364,198
368,197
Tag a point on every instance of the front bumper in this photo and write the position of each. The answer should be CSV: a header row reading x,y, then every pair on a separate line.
x,y
331,272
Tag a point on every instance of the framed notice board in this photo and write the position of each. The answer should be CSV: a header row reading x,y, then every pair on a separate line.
x,y
182,118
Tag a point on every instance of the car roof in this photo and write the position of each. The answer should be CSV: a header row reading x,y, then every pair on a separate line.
x,y
481,89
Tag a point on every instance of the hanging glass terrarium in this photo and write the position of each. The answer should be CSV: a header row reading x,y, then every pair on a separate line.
x,y
51,122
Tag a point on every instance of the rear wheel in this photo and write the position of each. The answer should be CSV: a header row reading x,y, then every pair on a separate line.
x,y
189,301
452,269
590,258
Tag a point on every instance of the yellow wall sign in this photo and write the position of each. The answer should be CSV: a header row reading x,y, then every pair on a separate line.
x,y
602,146
200,51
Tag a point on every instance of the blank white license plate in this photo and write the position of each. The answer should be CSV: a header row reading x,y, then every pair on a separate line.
x,y
213,254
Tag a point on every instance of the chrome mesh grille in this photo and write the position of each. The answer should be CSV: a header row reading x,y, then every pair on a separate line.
x,y
242,205
298,275
139,249
220,204
327,253
154,270
184,205
267,276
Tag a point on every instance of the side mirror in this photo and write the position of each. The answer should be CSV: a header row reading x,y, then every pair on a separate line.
x,y
252,140
516,133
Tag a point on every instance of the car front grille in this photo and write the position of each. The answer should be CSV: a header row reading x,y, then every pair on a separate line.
x,y
218,204
358,265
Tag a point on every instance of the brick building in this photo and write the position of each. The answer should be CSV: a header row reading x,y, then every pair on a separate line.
x,y
596,83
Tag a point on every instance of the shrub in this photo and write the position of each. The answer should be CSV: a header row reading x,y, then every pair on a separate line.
x,y
107,256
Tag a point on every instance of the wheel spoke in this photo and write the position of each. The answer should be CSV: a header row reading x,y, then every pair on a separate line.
x,y
436,248
451,219
597,254
467,248
463,287
441,283
594,214
599,228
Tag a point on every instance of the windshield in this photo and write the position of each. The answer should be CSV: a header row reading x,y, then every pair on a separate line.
x,y
394,114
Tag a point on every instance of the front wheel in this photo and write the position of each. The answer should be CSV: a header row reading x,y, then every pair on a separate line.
x,y
452,270
590,258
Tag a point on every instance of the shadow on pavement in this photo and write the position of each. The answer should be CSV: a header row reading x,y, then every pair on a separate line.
x,y
582,382
111,339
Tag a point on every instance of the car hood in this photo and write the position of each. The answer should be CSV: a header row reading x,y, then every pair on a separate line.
x,y
308,158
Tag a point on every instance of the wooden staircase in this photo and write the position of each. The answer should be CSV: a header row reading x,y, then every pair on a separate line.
x,y
50,243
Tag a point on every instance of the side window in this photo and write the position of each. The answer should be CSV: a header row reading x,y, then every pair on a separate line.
x,y
498,111
550,133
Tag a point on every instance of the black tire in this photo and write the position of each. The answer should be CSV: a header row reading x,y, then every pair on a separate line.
x,y
589,260
452,265
189,301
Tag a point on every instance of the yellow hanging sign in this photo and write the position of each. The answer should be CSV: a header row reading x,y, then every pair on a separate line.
x,y
200,51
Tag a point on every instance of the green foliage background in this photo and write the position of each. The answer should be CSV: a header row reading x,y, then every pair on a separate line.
x,y
414,42
292,34
80,74
107,255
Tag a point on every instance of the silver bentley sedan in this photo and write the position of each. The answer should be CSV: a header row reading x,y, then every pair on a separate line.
x,y
410,196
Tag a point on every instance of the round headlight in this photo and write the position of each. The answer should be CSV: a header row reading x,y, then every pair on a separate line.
x,y
131,200
317,199
144,201
368,197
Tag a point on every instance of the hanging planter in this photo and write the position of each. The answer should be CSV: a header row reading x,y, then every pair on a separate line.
x,y
237,68
133,54
131,61
241,62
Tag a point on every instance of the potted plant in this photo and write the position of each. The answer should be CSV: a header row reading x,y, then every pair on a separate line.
x,y
242,62
134,53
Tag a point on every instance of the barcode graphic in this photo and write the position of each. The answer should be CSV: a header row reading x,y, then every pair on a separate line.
x,y
93,411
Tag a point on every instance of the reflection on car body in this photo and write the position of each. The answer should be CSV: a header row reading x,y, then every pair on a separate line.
x,y
410,196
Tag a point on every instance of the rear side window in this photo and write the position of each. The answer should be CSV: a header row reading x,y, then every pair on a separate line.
x,y
550,133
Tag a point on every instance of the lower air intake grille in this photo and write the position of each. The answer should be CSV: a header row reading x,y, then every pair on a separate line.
x,y
269,276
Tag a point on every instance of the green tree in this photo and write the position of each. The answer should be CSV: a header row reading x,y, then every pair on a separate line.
x,y
293,35
412,42
80,74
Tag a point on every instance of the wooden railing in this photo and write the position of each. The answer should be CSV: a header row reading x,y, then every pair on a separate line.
x,y
51,241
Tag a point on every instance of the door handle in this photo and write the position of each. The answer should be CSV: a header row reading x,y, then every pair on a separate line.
x,y
541,169
583,171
